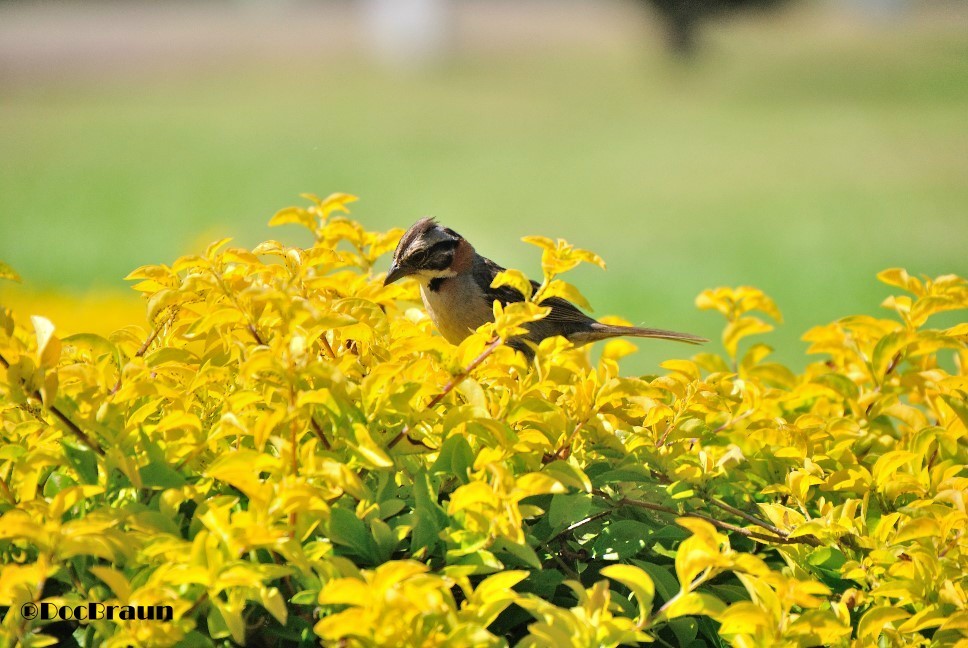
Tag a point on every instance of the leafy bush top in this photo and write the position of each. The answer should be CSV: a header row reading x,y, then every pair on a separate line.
x,y
288,454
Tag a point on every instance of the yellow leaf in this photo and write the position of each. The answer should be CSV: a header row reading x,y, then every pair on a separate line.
x,y
232,615
68,497
48,346
510,320
275,603
699,552
744,618
694,604
497,584
296,215
336,202
887,465
900,278
924,527
636,580
687,368
113,579
179,420
542,242
929,617
743,327
618,348
6,272
494,594
344,591
872,623
813,527
539,484
238,255
564,290
16,524
214,247
569,475
22,583
515,279
368,449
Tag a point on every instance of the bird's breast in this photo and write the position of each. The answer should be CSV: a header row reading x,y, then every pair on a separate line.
x,y
457,307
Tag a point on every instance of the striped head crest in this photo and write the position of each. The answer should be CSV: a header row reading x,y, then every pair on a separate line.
x,y
426,250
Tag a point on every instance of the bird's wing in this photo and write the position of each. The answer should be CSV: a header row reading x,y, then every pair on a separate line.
x,y
562,310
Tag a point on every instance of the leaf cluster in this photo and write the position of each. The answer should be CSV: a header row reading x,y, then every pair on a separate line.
x,y
288,455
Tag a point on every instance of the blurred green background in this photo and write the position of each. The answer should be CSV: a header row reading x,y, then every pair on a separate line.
x,y
800,151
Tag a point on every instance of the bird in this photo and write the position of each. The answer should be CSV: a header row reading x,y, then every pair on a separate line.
x,y
455,284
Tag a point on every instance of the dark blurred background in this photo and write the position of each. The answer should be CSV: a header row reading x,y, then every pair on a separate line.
x,y
793,145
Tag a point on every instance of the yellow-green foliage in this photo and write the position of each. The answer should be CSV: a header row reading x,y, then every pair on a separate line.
x,y
288,454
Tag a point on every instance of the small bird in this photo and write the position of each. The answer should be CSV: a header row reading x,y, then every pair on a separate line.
x,y
455,283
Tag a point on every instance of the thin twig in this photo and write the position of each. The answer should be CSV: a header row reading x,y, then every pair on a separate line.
x,y
573,526
143,349
459,378
328,347
201,600
732,421
565,448
7,494
154,335
726,526
250,321
752,519
564,566
63,418
318,430
456,380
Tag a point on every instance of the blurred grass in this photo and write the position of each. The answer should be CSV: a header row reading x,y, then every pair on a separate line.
x,y
799,161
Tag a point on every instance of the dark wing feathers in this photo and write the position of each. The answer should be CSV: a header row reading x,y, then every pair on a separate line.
x,y
563,312
564,319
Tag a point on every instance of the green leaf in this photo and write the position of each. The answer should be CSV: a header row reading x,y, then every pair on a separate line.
x,y
193,639
621,540
349,531
429,519
569,475
57,482
157,473
686,629
305,597
384,538
522,553
159,521
663,578
567,509
637,580
82,460
455,458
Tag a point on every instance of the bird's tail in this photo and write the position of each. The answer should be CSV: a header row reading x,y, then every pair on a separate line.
x,y
602,331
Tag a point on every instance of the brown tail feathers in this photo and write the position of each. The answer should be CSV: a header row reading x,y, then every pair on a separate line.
x,y
602,331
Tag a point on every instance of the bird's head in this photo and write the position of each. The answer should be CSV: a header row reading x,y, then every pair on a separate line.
x,y
427,251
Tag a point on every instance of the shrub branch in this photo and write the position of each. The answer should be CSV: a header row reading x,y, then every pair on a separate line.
x,y
725,526
449,387
61,416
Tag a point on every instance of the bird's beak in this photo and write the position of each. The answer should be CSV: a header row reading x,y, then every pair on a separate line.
x,y
395,272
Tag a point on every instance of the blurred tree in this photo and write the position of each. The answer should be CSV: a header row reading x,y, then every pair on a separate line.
x,y
684,17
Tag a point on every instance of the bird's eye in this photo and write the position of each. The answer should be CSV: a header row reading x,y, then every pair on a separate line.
x,y
417,258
